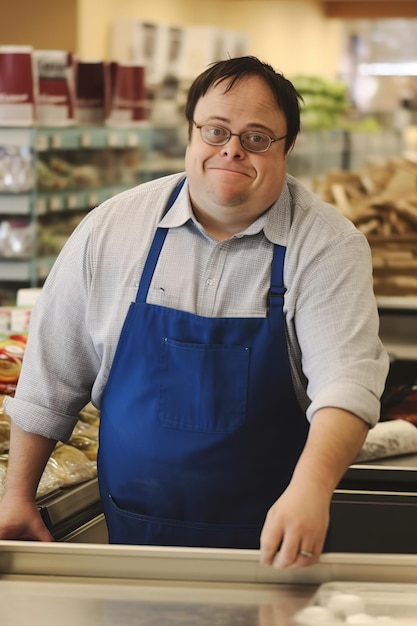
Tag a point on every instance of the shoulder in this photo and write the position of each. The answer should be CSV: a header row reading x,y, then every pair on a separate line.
x,y
317,226
321,241
155,192
136,210
309,208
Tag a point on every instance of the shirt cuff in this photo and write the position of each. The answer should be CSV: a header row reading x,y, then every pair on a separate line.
x,y
48,424
348,396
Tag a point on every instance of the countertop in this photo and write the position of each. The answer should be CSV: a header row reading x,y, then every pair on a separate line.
x,y
48,584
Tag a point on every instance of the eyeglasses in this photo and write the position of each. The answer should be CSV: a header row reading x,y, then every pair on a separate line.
x,y
251,140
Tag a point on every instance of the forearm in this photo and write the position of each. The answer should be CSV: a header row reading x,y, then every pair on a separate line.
x,y
298,521
334,440
28,456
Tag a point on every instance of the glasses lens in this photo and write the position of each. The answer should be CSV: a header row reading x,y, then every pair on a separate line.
x,y
214,135
255,142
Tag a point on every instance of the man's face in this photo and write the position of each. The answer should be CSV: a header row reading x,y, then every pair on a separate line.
x,y
229,181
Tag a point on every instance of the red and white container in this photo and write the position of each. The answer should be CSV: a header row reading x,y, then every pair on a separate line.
x,y
127,102
91,91
17,100
54,87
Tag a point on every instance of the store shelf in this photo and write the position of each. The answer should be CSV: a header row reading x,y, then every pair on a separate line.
x,y
397,303
74,199
20,137
13,204
71,138
51,174
25,270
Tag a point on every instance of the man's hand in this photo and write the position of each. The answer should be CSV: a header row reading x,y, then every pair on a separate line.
x,y
296,523
19,515
21,520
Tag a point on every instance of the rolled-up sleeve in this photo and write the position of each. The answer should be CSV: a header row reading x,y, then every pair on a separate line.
x,y
60,363
337,324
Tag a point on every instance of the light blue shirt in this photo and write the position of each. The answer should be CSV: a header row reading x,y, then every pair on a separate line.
x,y
331,315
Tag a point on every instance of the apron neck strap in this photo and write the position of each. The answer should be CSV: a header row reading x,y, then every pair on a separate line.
x,y
156,247
277,289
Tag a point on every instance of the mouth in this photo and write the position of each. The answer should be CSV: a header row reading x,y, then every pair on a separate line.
x,y
229,170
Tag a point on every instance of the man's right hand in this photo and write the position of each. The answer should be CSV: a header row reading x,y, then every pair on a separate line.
x,y
21,521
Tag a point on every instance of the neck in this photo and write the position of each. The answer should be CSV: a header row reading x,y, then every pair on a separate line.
x,y
224,222
221,229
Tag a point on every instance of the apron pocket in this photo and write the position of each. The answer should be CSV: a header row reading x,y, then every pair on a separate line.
x,y
203,387
126,527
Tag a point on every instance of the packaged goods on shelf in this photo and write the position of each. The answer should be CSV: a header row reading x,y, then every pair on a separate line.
x,y
54,87
71,463
11,357
68,171
27,297
127,101
17,169
71,466
4,433
14,327
17,96
91,91
17,238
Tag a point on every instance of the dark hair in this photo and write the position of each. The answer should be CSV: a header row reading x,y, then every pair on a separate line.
x,y
286,95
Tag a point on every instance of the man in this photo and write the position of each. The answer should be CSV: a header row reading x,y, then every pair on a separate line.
x,y
224,322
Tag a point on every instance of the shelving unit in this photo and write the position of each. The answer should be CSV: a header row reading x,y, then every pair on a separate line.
x,y
60,174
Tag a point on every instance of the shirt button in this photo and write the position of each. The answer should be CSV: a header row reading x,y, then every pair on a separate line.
x,y
209,281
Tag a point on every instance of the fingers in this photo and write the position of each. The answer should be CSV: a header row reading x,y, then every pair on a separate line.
x,y
294,530
29,528
285,558
289,548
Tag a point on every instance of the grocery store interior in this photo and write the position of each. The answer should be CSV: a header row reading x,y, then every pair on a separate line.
x,y
92,96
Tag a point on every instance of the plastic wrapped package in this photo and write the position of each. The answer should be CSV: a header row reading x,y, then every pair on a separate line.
x,y
5,424
4,433
48,483
386,439
17,238
86,429
90,415
2,479
3,470
85,437
71,466
88,445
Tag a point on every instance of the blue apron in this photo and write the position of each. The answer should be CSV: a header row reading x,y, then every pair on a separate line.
x,y
200,426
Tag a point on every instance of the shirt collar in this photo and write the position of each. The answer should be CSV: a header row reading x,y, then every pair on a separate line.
x,y
180,212
275,222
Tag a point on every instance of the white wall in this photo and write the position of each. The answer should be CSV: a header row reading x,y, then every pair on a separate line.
x,y
292,35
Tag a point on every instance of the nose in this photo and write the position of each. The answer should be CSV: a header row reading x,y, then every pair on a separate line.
x,y
233,148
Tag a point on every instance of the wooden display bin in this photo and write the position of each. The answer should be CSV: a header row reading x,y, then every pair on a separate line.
x,y
395,264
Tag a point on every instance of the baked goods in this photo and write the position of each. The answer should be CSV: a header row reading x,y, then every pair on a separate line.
x,y
90,415
381,200
88,445
4,433
71,466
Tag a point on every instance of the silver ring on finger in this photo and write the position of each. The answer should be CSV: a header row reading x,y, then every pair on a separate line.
x,y
306,554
